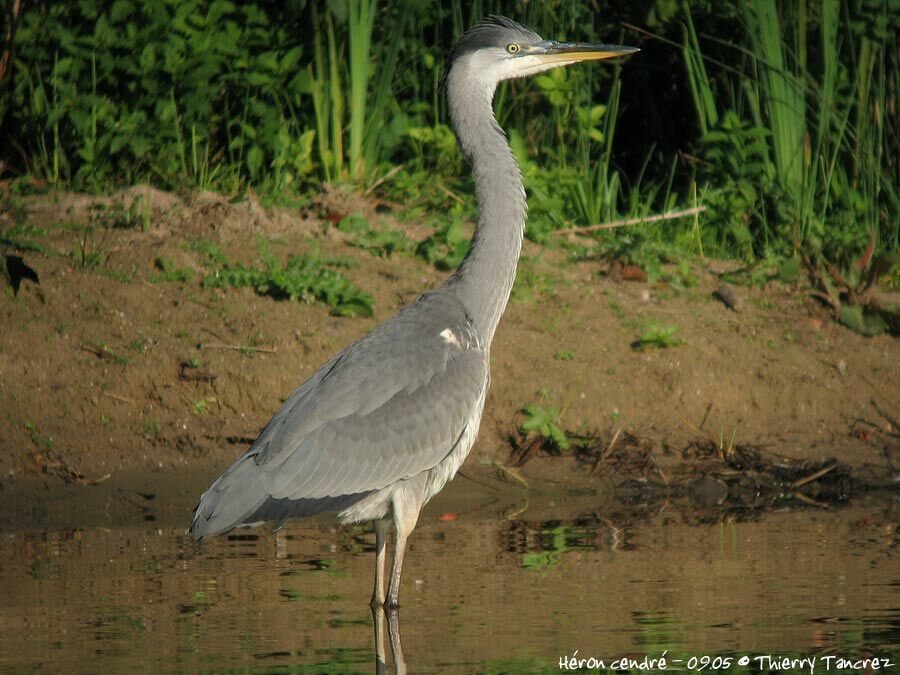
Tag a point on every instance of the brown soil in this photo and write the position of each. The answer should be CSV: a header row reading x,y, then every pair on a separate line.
x,y
93,381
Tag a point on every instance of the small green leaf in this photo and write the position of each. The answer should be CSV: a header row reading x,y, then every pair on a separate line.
x,y
254,160
862,322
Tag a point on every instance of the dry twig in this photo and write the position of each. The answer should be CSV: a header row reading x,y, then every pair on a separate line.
x,y
814,475
608,450
238,348
669,215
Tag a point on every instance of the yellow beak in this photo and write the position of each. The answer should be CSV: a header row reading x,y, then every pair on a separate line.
x,y
551,51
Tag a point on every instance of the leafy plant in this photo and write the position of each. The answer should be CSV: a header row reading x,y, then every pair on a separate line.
x,y
305,277
531,280
326,81
202,405
43,441
92,249
212,255
803,146
150,429
381,242
738,174
446,248
207,80
793,145
439,143
170,272
681,277
544,423
119,216
658,335
849,291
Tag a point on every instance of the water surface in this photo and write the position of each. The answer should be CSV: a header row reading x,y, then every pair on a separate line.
x,y
104,579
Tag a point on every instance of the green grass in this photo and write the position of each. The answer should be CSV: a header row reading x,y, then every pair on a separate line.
x,y
170,272
532,280
92,247
119,216
23,238
795,146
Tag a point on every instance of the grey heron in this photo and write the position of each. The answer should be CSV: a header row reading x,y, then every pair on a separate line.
x,y
380,428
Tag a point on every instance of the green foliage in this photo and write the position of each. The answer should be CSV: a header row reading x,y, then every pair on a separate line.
x,y
532,280
170,272
793,144
113,92
787,270
864,322
797,151
336,85
42,441
640,250
379,241
544,422
119,216
150,429
446,248
22,238
437,142
92,247
738,173
212,255
305,277
13,206
658,335
202,405
681,276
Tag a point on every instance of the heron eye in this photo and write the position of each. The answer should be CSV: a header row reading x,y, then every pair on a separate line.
x,y
512,48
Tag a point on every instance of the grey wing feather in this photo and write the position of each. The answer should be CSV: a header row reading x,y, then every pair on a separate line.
x,y
390,406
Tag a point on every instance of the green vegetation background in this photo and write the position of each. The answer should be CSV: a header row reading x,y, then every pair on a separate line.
x,y
780,118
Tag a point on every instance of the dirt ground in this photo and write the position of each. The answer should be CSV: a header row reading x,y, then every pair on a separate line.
x,y
107,369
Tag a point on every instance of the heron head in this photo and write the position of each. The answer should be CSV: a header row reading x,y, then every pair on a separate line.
x,y
500,49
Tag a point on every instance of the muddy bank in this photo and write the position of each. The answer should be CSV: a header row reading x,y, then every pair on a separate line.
x,y
106,367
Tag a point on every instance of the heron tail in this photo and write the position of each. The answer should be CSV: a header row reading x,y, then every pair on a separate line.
x,y
240,497
231,501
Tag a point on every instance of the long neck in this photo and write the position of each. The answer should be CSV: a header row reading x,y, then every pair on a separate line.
x,y
485,278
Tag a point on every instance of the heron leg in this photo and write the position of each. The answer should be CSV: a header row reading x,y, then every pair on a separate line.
x,y
381,531
396,647
393,631
406,513
378,620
